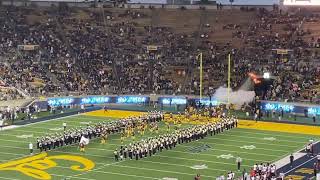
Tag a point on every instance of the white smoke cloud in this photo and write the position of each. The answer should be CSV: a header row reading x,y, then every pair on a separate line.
x,y
236,97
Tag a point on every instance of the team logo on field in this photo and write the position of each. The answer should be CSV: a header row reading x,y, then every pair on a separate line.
x,y
35,166
25,136
203,166
199,149
56,129
248,147
226,156
270,138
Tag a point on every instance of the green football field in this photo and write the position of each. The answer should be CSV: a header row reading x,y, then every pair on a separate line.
x,y
209,157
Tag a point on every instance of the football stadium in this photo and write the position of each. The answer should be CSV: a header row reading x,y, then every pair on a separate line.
x,y
159,89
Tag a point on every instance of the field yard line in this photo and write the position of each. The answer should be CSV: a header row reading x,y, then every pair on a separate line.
x,y
287,154
107,172
112,158
225,134
103,166
272,133
14,154
199,160
96,155
99,149
146,161
8,178
176,172
153,162
81,118
178,151
94,170
67,176
19,126
247,142
228,145
223,150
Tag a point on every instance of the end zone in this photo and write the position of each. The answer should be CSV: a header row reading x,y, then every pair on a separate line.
x,y
280,127
114,113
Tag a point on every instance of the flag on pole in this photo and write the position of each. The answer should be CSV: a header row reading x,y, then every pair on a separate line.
x,y
84,140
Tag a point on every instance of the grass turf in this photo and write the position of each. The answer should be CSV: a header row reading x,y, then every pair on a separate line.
x,y
175,163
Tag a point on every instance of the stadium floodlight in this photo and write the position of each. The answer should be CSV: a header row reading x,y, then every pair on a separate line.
x,y
266,75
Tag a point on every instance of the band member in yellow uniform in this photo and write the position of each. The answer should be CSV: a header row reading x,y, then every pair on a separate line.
x,y
143,127
104,137
82,147
133,135
123,134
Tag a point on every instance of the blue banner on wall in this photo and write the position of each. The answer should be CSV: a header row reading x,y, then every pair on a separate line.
x,y
131,99
90,100
299,109
173,100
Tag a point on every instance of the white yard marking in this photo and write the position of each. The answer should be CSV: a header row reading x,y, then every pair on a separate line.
x,y
226,156
272,134
56,129
25,136
86,123
169,178
203,166
270,138
249,147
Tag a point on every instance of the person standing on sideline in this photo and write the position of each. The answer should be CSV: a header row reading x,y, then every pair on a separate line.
x,y
116,155
82,108
31,148
315,169
291,160
238,161
64,124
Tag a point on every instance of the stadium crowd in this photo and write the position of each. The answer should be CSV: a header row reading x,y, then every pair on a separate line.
x,y
107,53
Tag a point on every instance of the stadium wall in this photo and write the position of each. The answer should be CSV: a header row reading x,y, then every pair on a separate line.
x,y
171,100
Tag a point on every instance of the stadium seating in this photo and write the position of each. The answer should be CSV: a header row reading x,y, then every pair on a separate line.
x,y
100,51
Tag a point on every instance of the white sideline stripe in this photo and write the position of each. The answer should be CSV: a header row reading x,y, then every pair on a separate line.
x,y
19,126
277,135
58,121
286,160
300,165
